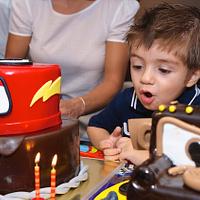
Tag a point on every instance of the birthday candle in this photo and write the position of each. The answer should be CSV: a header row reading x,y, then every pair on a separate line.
x,y
37,176
53,177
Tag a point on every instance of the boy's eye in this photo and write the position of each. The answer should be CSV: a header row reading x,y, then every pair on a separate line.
x,y
164,71
137,66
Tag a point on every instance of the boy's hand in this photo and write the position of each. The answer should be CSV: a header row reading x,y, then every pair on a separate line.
x,y
126,147
111,152
112,139
137,157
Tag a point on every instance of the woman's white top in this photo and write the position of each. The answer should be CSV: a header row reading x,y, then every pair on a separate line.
x,y
76,41
4,20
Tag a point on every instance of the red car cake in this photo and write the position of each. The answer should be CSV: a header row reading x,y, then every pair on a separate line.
x,y
30,122
29,96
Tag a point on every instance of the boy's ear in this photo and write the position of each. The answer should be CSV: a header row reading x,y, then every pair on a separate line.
x,y
194,77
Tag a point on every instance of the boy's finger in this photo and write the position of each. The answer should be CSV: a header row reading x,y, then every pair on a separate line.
x,y
112,158
105,144
117,132
122,141
111,152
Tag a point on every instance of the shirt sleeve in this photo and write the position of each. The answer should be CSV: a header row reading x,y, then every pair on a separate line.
x,y
20,22
109,117
124,17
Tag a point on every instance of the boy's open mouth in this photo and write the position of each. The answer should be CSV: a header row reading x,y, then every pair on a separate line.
x,y
146,97
147,94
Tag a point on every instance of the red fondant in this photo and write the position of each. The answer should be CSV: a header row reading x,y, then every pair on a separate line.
x,y
23,82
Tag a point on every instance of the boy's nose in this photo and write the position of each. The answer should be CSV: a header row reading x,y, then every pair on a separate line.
x,y
147,77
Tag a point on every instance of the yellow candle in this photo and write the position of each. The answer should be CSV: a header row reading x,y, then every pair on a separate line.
x,y
53,177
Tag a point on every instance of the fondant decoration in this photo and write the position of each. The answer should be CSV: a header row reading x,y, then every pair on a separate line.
x,y
114,188
192,178
47,90
174,153
5,100
140,132
169,128
189,109
178,170
146,176
172,108
111,196
124,188
23,81
194,151
174,102
161,108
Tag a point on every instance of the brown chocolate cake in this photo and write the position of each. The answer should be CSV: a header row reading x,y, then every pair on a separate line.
x,y
17,155
172,172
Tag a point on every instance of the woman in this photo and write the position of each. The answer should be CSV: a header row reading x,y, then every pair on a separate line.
x,y
4,17
85,37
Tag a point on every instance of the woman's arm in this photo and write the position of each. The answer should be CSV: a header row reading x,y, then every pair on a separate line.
x,y
17,46
116,62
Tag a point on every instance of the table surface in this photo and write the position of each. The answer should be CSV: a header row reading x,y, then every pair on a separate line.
x,y
98,172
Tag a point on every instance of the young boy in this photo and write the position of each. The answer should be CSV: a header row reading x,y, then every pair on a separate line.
x,y
164,66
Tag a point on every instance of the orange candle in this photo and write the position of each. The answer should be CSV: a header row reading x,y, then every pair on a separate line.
x,y
53,177
37,176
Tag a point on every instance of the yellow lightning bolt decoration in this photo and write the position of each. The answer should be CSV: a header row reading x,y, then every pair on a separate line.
x,y
47,90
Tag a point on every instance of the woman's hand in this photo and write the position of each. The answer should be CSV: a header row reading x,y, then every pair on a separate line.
x,y
72,108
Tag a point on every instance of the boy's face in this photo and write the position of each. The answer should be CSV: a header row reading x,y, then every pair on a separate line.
x,y
158,76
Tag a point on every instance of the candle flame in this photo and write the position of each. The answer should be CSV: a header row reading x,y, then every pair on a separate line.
x,y
54,160
37,157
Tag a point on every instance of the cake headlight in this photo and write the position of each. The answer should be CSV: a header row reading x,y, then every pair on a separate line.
x,y
5,99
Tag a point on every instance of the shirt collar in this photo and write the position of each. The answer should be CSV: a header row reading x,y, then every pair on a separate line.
x,y
137,105
189,95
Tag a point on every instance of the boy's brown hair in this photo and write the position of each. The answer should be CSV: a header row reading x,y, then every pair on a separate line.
x,y
175,26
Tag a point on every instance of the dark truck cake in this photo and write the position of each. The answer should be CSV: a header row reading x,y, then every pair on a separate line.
x,y
172,172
